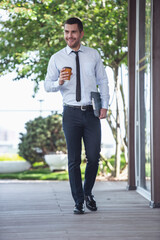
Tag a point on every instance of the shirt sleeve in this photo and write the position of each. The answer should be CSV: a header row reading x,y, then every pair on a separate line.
x,y
51,83
102,82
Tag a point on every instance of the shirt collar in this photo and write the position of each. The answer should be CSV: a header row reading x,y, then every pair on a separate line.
x,y
69,50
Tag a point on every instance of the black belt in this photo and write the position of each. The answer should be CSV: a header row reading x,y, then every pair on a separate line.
x,y
82,108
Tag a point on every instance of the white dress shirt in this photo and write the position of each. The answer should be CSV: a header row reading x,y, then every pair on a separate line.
x,y
92,73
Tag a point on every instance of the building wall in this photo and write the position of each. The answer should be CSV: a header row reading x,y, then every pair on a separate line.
x,y
144,98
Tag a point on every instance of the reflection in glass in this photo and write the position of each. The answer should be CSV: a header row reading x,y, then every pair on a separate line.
x,y
147,90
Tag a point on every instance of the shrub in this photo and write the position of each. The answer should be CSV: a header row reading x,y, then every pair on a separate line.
x,y
43,135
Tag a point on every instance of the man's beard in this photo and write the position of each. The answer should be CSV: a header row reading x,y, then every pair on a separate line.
x,y
73,44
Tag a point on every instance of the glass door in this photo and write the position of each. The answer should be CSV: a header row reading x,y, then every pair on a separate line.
x,y
143,95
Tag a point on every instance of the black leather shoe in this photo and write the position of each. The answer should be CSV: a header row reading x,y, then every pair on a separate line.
x,y
79,208
90,203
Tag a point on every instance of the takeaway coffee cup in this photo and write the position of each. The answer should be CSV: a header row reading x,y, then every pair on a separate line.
x,y
68,70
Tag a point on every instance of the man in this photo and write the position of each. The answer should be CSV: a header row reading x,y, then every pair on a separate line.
x,y
79,121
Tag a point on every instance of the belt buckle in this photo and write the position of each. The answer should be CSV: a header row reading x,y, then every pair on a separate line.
x,y
83,109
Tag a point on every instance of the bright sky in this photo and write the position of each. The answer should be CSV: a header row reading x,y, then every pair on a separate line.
x,y
17,95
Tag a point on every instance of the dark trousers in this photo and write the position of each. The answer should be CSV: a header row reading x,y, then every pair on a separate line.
x,y
78,125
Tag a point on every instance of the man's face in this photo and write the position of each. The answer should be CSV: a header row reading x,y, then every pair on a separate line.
x,y
72,36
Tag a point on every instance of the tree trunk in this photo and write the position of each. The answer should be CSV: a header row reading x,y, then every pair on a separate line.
x,y
116,126
124,139
118,134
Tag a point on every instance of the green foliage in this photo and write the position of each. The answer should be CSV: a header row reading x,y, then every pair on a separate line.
x,y
107,165
34,31
43,135
106,30
122,163
148,169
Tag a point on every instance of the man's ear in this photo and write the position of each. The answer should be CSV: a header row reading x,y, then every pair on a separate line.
x,y
82,34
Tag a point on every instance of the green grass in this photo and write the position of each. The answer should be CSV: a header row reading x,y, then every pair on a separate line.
x,y
11,157
39,171
36,174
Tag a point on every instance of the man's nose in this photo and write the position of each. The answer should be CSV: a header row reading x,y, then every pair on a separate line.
x,y
70,35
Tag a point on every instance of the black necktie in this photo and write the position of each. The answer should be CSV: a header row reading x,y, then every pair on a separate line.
x,y
78,83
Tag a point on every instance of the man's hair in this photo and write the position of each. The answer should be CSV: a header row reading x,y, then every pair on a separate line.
x,y
74,20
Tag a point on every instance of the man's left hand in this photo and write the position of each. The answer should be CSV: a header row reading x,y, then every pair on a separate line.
x,y
103,113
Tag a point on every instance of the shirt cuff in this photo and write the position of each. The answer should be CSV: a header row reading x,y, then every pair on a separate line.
x,y
55,86
105,104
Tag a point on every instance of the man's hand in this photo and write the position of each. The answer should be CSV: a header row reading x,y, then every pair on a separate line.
x,y
103,113
63,76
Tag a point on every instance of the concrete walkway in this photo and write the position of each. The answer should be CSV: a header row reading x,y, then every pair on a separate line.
x,y
36,210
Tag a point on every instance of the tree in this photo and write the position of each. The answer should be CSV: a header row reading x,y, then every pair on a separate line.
x,y
43,135
34,31
107,32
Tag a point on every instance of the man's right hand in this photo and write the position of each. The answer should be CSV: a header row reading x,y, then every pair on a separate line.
x,y
63,76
